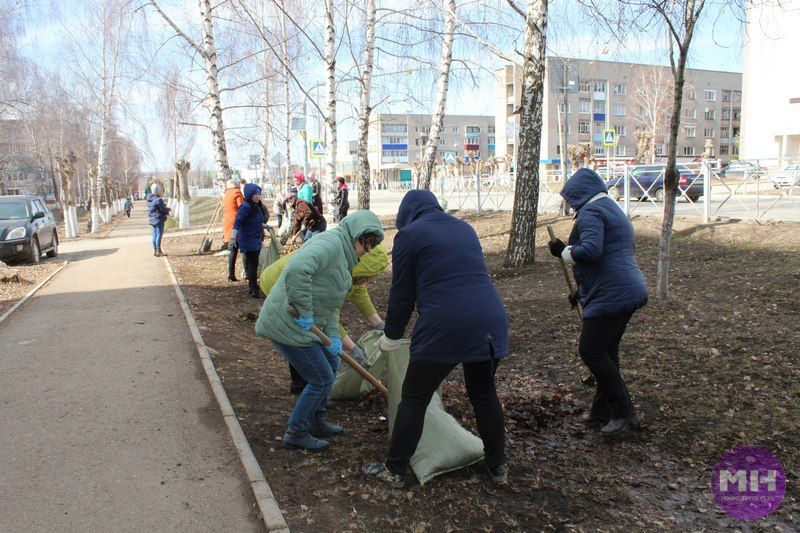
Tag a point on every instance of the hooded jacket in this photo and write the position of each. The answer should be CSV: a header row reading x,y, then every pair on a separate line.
x,y
602,247
231,202
157,210
370,264
438,267
316,280
305,214
249,222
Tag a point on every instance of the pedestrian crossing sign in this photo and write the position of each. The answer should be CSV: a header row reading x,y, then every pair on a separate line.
x,y
317,148
609,138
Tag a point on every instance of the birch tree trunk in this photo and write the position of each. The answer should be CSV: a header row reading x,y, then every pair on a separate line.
x,y
522,239
182,174
364,173
267,127
287,96
432,145
108,197
330,85
671,177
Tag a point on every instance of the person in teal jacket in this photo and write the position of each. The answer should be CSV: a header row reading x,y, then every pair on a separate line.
x,y
304,190
316,281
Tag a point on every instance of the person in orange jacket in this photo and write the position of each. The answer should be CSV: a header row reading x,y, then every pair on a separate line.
x,y
230,206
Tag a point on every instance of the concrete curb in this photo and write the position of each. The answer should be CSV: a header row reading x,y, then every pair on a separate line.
x,y
270,512
32,292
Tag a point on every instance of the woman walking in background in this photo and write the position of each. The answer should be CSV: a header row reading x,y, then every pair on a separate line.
x,y
610,289
127,206
231,202
342,200
248,233
157,212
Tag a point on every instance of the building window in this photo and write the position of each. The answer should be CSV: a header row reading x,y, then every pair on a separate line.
x,y
585,105
393,128
620,89
726,95
472,139
723,149
599,106
394,140
737,96
584,126
688,150
690,94
736,150
711,95
490,140
737,113
416,142
620,131
690,113
659,149
442,141
619,110
735,131
599,126
509,90
561,107
690,131
726,113
491,129
455,129
599,86
619,150
708,133
599,149
395,153
585,86
472,129
416,129
509,109
724,132
711,114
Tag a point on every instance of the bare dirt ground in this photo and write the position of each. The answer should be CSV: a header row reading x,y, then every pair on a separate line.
x,y
713,368
29,276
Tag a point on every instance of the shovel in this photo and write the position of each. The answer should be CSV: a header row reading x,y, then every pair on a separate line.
x,y
347,359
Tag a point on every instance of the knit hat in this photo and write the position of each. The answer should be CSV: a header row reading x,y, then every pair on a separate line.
x,y
155,188
300,178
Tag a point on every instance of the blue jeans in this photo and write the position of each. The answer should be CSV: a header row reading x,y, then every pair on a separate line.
x,y
318,367
158,232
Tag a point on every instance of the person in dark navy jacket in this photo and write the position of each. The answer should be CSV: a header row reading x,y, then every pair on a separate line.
x,y
610,289
248,233
438,268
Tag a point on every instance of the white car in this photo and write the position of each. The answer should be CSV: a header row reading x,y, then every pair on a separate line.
x,y
788,176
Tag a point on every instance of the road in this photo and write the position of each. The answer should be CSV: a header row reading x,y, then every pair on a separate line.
x,y
107,420
743,206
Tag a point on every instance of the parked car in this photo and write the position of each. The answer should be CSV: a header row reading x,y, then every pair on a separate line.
x,y
647,181
788,176
738,169
27,229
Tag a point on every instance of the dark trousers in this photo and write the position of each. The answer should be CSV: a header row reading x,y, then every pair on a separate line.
x,y
599,349
297,379
128,212
232,261
251,269
422,380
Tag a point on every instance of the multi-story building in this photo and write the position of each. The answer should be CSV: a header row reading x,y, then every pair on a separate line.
x,y
18,174
397,140
586,97
771,104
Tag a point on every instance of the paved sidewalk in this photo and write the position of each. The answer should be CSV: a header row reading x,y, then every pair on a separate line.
x,y
106,417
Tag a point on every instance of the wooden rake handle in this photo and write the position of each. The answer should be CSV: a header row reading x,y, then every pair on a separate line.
x,y
347,359
564,271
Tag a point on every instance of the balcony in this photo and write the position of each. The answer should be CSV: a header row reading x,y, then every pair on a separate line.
x,y
599,117
599,95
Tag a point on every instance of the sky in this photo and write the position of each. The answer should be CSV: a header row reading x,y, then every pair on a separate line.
x,y
571,33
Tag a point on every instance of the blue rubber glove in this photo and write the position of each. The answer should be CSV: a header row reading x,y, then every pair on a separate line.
x,y
305,322
335,347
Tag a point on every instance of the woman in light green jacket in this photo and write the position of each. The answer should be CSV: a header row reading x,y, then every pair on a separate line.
x,y
316,281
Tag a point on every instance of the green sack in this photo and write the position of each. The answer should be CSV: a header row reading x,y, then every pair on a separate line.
x,y
445,445
349,383
270,253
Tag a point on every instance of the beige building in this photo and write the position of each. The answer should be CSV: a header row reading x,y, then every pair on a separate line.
x,y
771,105
603,95
397,140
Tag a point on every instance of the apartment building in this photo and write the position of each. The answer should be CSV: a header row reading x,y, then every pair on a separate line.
x,y
771,125
397,140
586,97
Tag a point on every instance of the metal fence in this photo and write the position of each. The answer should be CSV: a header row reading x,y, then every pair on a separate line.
x,y
760,191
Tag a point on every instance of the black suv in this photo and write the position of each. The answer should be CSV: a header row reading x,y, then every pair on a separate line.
x,y
27,228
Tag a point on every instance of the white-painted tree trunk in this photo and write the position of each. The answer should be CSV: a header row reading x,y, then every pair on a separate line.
x,y
182,181
330,86
522,239
432,145
364,111
286,96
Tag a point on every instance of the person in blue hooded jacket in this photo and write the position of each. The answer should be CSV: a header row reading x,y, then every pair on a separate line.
x,y
248,233
438,268
610,288
157,212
